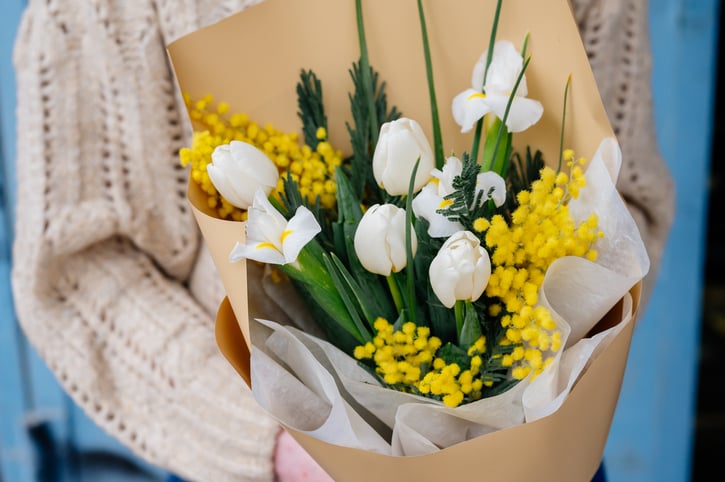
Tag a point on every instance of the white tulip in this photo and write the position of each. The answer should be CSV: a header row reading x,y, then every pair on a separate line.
x,y
472,104
460,270
238,169
400,144
270,237
380,239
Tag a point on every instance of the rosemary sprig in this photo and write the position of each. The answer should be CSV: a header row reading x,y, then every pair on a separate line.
x,y
311,110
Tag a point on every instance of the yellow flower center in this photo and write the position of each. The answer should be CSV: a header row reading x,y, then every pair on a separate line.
x,y
445,203
266,245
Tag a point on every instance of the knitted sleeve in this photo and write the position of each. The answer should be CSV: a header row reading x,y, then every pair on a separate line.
x,y
105,244
616,37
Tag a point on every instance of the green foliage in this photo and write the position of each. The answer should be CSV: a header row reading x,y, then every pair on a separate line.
x,y
467,204
311,109
330,326
362,138
452,353
371,288
471,330
497,149
524,171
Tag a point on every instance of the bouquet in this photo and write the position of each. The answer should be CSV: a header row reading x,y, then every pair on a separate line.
x,y
445,284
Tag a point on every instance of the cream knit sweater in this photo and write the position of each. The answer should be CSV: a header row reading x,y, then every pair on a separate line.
x,y
112,284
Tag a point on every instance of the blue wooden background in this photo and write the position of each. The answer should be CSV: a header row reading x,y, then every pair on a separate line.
x,y
652,434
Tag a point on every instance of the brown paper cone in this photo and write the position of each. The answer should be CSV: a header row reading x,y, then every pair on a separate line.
x,y
252,61
566,446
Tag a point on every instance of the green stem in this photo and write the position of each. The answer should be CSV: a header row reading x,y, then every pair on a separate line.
x,y
395,292
563,121
437,137
476,140
492,40
365,71
525,46
460,313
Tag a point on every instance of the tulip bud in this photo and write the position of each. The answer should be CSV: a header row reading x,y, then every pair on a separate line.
x,y
460,270
238,169
380,239
400,144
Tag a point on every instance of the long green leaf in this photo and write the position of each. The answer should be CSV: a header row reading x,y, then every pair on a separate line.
x,y
471,330
322,288
435,119
350,213
367,305
410,263
349,300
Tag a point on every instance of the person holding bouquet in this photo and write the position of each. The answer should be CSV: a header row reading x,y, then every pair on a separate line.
x,y
111,281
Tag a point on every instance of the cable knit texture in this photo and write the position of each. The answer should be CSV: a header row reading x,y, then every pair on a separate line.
x,y
111,282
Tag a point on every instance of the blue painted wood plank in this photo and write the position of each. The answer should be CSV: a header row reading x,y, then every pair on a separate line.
x,y
11,12
652,433
36,404
15,457
72,430
16,462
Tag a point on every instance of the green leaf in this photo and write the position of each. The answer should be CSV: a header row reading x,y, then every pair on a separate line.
x,y
311,270
410,269
368,305
496,143
348,201
498,388
563,123
401,320
333,330
522,174
451,353
347,295
435,120
371,285
471,330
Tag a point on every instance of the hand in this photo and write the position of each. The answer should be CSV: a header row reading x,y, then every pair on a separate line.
x,y
293,464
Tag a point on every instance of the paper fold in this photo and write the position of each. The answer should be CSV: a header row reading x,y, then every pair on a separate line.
x,y
576,432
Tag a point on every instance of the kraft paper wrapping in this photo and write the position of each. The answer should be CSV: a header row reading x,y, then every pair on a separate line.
x,y
565,446
252,61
